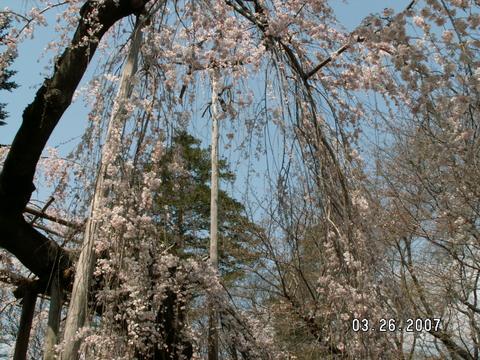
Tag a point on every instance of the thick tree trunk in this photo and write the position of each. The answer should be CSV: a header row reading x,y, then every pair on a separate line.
x,y
34,250
213,316
78,309
23,335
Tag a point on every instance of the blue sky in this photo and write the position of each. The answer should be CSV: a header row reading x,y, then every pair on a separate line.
x,y
31,71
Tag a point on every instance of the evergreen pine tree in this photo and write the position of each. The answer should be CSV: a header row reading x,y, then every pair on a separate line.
x,y
5,75
184,203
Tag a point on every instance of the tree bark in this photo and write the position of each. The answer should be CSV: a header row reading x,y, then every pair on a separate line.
x,y
34,250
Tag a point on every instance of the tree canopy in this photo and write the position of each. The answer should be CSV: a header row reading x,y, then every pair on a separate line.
x,y
353,227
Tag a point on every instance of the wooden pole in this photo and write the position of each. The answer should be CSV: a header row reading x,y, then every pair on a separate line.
x,y
23,335
213,318
54,314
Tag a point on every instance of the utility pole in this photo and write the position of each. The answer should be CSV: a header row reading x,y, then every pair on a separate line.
x,y
213,315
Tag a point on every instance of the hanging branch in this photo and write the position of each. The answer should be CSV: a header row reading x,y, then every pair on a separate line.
x,y
359,39
258,19
77,311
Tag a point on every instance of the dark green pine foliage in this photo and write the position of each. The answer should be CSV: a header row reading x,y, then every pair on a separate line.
x,y
184,205
5,75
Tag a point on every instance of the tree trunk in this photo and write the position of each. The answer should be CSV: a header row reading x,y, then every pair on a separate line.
x,y
78,309
213,316
171,317
28,310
